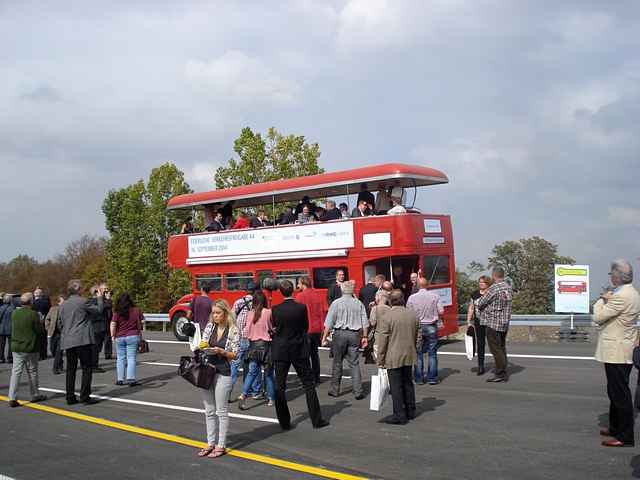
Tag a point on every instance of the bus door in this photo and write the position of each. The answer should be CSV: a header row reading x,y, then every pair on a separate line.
x,y
396,269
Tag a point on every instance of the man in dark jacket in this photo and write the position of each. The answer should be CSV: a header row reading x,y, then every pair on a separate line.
x,y
331,213
367,294
334,291
290,346
42,305
77,339
27,330
99,327
5,328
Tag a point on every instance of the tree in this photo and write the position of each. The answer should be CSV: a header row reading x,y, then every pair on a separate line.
x,y
261,160
528,264
140,226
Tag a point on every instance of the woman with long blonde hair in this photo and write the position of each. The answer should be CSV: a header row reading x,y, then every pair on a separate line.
x,y
220,343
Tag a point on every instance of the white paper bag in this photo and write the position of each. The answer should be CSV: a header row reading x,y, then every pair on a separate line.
x,y
194,342
379,390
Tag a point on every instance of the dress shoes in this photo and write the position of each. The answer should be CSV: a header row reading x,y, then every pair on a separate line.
x,y
321,424
332,394
57,372
72,401
396,421
480,371
90,401
615,443
496,379
14,403
359,396
38,398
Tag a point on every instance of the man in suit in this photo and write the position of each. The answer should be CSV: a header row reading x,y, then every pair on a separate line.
x,y
42,305
216,224
290,346
78,338
334,291
367,293
399,339
616,313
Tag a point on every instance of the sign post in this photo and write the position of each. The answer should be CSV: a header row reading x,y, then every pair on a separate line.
x,y
571,289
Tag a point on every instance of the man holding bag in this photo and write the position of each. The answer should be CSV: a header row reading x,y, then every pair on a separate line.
x,y
398,340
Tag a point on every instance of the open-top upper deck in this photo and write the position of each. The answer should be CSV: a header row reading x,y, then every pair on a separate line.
x,y
331,184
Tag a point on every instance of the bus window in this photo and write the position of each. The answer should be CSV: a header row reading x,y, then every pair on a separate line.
x,y
292,275
436,269
324,277
262,274
213,279
238,281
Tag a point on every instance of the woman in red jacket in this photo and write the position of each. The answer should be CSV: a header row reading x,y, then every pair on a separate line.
x,y
241,222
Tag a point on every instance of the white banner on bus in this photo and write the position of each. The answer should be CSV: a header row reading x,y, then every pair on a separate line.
x,y
299,238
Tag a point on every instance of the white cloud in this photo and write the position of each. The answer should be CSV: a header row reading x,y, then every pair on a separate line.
x,y
237,77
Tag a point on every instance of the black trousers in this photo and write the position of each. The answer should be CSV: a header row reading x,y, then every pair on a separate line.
x,y
5,342
56,351
403,393
315,340
498,346
42,345
481,334
621,407
303,369
108,346
98,338
84,354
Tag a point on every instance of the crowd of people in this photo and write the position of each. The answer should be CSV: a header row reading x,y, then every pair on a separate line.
x,y
383,323
78,329
387,202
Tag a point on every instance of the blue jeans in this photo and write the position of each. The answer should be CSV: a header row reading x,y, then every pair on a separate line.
x,y
255,371
127,349
430,346
238,362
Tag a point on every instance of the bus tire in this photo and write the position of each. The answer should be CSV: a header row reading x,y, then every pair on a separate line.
x,y
177,322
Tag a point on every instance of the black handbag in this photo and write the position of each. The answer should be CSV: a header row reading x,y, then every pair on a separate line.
x,y
198,373
143,346
636,357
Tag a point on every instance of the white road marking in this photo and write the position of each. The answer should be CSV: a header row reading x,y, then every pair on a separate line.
x,y
518,355
167,406
514,355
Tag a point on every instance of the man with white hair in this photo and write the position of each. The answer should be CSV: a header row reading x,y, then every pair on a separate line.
x,y
347,319
616,313
27,329
78,338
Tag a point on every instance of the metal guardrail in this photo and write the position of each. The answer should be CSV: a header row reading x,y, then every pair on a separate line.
x,y
558,320
156,318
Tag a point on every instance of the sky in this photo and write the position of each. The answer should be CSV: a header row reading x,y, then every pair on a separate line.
x,y
532,108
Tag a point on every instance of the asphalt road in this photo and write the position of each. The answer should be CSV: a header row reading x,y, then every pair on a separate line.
x,y
543,423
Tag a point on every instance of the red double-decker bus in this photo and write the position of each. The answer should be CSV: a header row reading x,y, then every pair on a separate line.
x,y
392,245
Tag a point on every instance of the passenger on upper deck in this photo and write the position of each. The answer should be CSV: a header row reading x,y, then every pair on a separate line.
x,y
344,210
259,220
187,226
306,216
331,213
216,225
287,217
383,201
227,214
305,201
241,222
396,199
366,195
362,210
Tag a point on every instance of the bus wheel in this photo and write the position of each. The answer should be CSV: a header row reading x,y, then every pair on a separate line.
x,y
178,321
